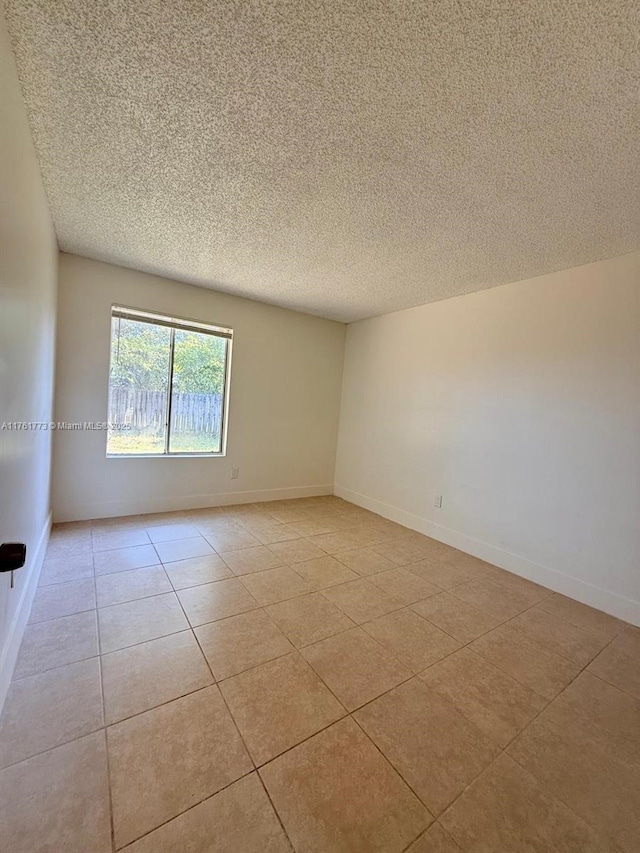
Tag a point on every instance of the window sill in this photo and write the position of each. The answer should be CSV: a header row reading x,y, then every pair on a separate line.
x,y
165,455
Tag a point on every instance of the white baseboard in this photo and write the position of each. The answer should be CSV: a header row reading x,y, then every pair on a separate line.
x,y
586,593
169,503
9,653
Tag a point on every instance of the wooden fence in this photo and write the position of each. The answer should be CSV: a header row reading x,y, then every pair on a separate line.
x,y
147,410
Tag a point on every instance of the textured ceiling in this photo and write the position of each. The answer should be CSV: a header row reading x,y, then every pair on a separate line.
x,y
344,158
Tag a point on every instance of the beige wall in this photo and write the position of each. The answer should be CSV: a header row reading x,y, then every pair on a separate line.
x,y
28,262
284,399
520,405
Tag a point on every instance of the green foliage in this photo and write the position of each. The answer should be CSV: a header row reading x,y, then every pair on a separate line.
x,y
139,355
140,358
198,363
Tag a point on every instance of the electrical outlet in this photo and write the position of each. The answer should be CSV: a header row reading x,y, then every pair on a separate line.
x,y
437,501
234,473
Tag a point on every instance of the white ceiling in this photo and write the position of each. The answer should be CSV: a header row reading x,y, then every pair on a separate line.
x,y
345,158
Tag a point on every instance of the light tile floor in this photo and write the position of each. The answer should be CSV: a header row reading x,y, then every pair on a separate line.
x,y
306,675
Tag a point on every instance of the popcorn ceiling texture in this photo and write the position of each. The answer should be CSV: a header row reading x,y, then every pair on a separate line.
x,y
343,158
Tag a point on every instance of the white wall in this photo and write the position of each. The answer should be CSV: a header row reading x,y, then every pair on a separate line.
x,y
28,264
284,399
521,406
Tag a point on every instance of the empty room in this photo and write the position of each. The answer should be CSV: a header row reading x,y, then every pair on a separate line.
x,y
319,426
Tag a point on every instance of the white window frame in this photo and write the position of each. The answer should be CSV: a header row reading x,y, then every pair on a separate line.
x,y
176,324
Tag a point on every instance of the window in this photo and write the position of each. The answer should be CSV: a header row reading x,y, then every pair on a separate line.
x,y
168,385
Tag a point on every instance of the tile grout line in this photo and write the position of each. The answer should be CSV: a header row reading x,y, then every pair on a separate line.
x,y
104,718
192,631
424,832
320,591
108,763
604,680
503,751
348,713
185,811
256,768
400,776
298,649
237,728
275,810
